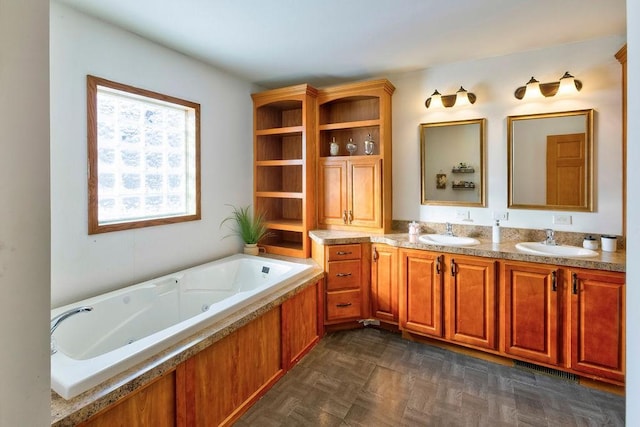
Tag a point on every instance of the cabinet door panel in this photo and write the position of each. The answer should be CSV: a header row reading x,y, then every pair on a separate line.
x,y
384,283
332,192
471,311
597,323
421,292
531,311
365,194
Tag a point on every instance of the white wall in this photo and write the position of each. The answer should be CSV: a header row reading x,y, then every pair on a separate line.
x,y
24,213
84,265
494,81
633,213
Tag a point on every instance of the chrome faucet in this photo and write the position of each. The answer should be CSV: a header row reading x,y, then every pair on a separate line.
x,y
55,322
549,240
449,229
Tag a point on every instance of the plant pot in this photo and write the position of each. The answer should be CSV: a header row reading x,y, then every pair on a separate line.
x,y
251,249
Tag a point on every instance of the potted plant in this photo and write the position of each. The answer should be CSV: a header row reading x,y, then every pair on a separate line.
x,y
250,228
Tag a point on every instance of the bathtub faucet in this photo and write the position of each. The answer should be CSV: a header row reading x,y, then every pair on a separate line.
x,y
55,322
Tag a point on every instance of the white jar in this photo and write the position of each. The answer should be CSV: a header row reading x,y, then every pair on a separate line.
x,y
590,242
609,243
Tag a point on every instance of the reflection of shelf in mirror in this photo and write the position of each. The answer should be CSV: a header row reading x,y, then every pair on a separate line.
x,y
463,170
467,186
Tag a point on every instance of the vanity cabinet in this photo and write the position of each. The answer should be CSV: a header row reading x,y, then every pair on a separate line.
x,y
346,290
449,296
384,283
531,302
421,292
471,303
596,316
354,188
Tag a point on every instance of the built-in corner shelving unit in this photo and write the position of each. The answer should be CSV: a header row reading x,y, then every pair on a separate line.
x,y
284,166
354,188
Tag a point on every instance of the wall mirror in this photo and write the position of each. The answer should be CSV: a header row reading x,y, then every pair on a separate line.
x,y
452,163
551,161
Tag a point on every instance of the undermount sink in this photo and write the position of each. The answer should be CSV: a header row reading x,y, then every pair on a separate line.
x,y
538,248
443,239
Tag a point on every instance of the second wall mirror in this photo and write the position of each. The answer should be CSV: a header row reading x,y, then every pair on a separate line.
x,y
551,161
452,163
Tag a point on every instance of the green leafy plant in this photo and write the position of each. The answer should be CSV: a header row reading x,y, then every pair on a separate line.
x,y
250,228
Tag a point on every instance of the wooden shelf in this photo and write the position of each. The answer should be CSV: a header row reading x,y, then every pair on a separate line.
x,y
280,131
349,125
279,195
286,224
268,163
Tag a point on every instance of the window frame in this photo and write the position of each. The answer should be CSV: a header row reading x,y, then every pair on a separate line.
x,y
94,227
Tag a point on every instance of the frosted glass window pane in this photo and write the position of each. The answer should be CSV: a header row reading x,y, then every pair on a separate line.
x,y
146,157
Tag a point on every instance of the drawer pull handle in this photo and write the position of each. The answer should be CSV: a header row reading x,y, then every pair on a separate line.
x,y
343,304
344,216
343,274
344,253
453,268
439,264
575,283
350,216
554,281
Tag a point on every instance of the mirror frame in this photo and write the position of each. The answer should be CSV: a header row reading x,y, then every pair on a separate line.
x,y
481,141
588,204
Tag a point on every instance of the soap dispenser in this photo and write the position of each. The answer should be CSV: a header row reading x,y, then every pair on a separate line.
x,y
496,232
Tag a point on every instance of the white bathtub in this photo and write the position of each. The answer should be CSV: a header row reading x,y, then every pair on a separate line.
x,y
129,325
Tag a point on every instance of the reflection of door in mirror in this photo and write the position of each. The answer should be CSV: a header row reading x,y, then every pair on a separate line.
x,y
551,161
452,163
566,170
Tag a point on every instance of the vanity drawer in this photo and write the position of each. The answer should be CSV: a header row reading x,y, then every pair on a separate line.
x,y
343,305
343,274
342,252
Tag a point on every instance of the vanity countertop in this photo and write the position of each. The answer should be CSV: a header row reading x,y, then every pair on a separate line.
x,y
607,261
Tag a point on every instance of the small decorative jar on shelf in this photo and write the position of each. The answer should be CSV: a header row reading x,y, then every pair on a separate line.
x,y
369,145
334,148
351,147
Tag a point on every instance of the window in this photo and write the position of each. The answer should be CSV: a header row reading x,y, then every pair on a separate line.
x,y
144,157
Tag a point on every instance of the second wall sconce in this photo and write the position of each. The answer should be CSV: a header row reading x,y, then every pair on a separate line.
x,y
534,89
460,98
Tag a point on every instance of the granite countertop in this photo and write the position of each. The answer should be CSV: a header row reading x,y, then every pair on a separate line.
x,y
607,261
82,407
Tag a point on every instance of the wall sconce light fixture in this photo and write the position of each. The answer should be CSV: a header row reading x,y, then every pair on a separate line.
x,y
567,85
460,98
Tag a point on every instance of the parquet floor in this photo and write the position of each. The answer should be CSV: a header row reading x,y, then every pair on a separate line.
x,y
371,377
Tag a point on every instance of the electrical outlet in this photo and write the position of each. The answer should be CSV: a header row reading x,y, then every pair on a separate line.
x,y
462,214
562,219
501,215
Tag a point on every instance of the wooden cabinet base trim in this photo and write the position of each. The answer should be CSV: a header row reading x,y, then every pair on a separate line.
x,y
508,360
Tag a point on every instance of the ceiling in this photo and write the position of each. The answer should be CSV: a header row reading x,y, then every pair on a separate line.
x,y
280,42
